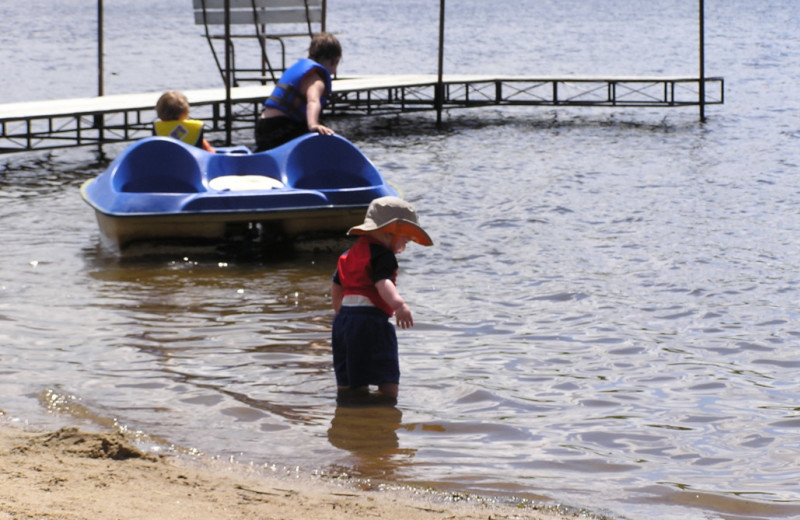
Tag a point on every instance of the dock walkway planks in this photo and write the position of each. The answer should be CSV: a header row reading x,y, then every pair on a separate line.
x,y
64,123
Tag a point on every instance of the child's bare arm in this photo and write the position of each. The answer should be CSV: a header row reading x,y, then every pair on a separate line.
x,y
313,93
402,311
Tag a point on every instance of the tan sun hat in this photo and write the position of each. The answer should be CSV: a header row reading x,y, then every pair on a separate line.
x,y
393,215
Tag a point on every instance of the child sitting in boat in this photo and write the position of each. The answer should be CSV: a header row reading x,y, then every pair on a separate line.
x,y
364,297
173,111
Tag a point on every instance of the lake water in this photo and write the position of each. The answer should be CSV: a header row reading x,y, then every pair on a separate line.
x,y
609,318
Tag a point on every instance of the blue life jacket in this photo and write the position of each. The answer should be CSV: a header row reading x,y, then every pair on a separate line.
x,y
286,95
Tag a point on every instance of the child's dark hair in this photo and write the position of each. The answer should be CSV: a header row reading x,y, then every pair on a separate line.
x,y
324,46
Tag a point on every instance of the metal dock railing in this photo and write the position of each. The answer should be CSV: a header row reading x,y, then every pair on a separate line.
x,y
65,123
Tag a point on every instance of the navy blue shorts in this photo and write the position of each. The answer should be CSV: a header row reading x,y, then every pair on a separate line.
x,y
275,131
364,348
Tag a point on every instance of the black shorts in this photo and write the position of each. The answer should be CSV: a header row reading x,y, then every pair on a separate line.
x,y
275,131
364,348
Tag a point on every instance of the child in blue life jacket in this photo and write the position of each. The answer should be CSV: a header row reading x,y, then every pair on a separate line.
x,y
173,111
364,297
295,105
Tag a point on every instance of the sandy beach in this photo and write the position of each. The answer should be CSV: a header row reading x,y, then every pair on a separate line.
x,y
70,474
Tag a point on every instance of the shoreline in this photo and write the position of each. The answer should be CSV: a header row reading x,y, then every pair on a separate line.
x,y
72,474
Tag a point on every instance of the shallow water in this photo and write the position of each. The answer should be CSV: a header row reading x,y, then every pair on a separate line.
x,y
608,318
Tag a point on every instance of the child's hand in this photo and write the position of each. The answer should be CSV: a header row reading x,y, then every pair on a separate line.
x,y
403,316
321,129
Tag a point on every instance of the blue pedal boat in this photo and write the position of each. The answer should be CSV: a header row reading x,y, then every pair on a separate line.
x,y
162,189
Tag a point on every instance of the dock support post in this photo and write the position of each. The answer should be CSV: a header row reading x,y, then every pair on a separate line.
x,y
439,94
702,89
99,119
99,47
228,118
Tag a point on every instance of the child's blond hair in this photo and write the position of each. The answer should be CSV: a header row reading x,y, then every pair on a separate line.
x,y
172,106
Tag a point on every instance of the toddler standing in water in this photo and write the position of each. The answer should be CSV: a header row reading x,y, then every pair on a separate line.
x,y
365,296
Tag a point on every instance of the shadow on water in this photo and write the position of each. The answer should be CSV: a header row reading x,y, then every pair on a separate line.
x,y
409,126
241,251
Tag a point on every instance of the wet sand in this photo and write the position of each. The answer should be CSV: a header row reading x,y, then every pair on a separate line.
x,y
71,474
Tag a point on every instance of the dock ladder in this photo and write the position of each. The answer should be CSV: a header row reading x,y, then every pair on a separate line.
x,y
248,37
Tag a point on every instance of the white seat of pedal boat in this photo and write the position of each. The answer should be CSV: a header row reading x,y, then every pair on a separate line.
x,y
244,183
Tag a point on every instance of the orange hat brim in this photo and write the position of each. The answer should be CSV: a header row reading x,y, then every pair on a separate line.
x,y
398,227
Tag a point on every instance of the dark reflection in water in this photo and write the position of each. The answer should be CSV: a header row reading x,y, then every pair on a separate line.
x,y
366,425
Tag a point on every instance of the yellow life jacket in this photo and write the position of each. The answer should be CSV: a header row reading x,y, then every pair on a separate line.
x,y
190,131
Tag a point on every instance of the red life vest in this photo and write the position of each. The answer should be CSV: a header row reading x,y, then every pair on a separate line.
x,y
355,269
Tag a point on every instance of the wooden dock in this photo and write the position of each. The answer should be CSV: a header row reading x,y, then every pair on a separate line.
x,y
65,123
